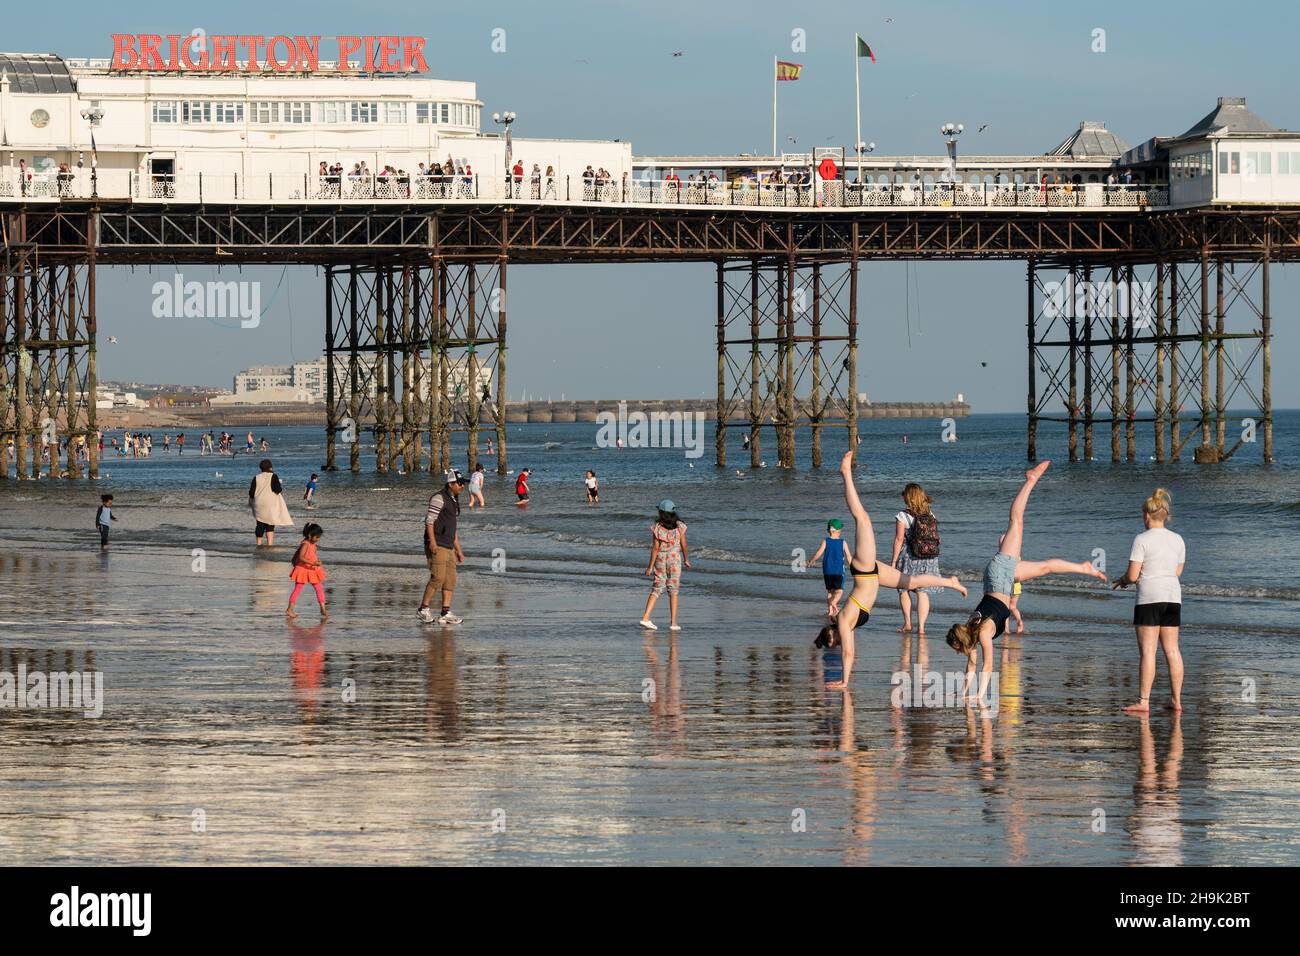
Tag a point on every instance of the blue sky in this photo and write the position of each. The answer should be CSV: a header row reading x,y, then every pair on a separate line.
x,y
605,70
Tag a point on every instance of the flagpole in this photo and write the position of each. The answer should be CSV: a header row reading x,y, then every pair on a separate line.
x,y
857,99
774,106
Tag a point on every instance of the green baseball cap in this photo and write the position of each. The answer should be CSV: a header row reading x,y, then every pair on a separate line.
x,y
835,524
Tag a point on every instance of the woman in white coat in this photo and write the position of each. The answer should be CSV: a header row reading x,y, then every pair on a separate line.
x,y
266,498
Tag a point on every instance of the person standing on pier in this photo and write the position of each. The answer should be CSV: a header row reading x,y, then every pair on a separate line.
x,y
442,551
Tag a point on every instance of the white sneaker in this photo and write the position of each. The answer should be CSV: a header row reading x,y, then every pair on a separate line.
x,y
649,625
425,615
675,627
450,618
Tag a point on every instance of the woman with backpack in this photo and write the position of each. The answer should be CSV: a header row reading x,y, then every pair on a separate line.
x,y
916,552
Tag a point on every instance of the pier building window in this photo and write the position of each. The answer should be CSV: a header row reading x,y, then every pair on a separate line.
x,y
422,113
1229,162
1288,164
333,112
228,112
395,113
296,112
196,111
263,112
365,112
165,111
1260,163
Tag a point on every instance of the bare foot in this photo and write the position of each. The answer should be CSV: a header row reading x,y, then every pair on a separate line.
x,y
324,614
957,586
846,463
920,632
905,629
1140,707
290,613
837,685
1092,572
1175,705
1033,474
832,611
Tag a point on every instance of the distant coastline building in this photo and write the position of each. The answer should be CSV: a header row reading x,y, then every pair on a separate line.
x,y
305,382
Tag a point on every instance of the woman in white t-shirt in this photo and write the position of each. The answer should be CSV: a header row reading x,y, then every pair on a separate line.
x,y
1155,564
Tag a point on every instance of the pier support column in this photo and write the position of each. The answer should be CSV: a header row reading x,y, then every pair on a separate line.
x,y
1175,399
1090,301
1031,315
1074,367
722,410
1220,432
1266,345
331,377
1130,409
1114,364
1162,349
763,314
499,385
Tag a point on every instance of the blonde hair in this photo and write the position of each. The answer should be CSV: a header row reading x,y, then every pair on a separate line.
x,y
962,637
917,501
1159,506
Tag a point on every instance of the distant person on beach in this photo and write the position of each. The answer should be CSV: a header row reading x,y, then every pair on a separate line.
x,y
668,555
180,444
593,488
265,444
442,551
490,450
521,487
744,441
309,492
868,576
307,569
833,551
916,552
248,443
989,619
266,498
1155,565
104,517
476,478
167,443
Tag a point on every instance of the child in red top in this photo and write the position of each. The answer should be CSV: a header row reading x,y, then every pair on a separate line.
x,y
307,569
521,487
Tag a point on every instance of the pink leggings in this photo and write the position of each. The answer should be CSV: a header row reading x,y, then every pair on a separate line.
x,y
297,589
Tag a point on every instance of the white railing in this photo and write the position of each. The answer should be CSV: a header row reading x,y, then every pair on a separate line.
x,y
119,184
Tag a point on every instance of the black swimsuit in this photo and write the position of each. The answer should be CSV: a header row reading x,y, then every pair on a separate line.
x,y
864,613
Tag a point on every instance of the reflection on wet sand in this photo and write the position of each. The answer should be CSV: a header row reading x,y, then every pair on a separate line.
x,y
1156,827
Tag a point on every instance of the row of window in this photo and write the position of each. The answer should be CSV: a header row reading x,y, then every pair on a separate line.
x,y
280,113
1259,162
1194,164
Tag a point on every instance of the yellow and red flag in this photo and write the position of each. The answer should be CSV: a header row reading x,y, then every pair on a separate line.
x,y
787,71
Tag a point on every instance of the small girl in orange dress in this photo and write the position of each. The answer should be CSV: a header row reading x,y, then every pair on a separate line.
x,y
307,569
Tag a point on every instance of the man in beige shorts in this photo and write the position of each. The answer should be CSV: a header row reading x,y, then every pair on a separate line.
x,y
442,550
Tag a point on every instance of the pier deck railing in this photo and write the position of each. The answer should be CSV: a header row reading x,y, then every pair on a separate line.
x,y
129,185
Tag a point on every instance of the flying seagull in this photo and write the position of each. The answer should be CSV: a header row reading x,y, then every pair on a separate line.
x,y
680,53
982,128
112,340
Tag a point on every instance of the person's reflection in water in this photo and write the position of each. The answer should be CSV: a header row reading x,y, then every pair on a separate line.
x,y
441,703
664,694
862,784
307,667
923,722
1156,829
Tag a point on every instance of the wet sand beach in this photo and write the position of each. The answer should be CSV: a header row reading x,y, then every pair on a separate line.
x,y
549,729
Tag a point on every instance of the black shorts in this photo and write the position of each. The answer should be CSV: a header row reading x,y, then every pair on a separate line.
x,y
990,608
262,529
103,534
834,582
521,495
1160,614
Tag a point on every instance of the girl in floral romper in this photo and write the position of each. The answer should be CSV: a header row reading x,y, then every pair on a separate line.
x,y
668,555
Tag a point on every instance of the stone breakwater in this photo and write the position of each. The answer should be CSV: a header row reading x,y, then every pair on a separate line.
x,y
586,411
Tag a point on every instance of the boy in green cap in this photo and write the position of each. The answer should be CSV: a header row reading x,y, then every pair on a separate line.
x,y
833,551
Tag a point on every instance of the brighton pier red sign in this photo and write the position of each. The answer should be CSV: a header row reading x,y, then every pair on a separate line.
x,y
151,53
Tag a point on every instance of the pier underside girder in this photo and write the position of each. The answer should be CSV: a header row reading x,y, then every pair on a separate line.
x,y
1171,345
414,353
47,358
787,353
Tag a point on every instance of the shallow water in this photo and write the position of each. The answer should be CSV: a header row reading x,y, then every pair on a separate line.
x,y
530,733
